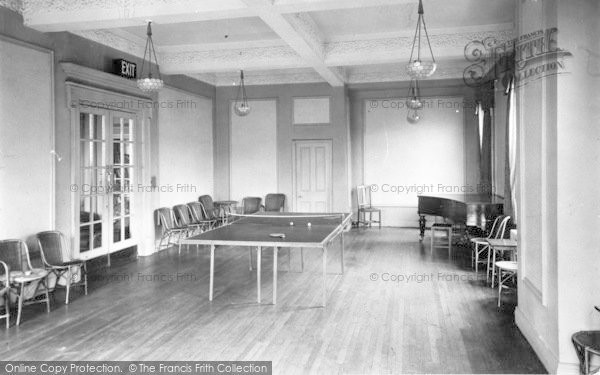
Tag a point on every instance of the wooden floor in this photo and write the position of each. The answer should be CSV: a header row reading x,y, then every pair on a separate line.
x,y
441,320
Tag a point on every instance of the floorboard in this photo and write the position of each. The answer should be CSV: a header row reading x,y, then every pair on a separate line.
x,y
439,319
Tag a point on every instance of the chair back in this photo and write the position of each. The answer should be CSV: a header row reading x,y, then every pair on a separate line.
x,y
182,215
274,202
15,254
4,278
165,218
53,248
495,227
208,206
502,228
251,205
197,212
363,196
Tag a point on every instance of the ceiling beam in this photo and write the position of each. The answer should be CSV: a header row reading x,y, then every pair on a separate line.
x,y
301,33
297,6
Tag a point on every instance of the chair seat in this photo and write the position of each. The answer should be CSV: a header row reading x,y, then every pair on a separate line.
x,y
507,265
74,262
23,277
589,340
480,240
369,209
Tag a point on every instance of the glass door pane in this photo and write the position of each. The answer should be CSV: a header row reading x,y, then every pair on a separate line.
x,y
123,147
92,171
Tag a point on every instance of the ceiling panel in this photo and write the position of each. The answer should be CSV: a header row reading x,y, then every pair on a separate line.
x,y
203,32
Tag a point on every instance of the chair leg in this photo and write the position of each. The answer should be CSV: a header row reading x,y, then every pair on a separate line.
x,y
499,286
250,258
85,279
68,285
47,295
20,306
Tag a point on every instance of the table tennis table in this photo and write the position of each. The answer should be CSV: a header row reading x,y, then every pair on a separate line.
x,y
276,230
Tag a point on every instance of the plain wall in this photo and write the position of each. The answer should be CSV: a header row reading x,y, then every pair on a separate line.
x,y
407,216
286,134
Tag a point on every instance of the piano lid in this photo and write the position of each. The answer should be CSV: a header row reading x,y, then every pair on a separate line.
x,y
469,198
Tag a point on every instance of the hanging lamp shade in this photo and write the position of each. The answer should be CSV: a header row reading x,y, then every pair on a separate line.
x,y
241,106
148,82
418,67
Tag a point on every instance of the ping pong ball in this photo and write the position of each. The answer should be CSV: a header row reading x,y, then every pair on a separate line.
x,y
291,223
309,224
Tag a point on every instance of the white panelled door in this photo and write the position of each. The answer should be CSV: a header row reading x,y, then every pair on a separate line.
x,y
312,176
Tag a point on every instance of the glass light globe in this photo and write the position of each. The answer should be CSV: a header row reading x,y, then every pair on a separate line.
x,y
413,117
414,103
150,84
241,109
421,69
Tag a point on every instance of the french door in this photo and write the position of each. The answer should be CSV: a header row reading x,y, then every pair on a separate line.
x,y
107,171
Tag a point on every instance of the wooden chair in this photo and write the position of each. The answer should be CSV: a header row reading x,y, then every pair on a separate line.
x,y
481,246
587,344
58,259
198,217
210,212
4,291
274,203
446,242
166,220
251,205
363,196
491,259
183,219
507,272
28,283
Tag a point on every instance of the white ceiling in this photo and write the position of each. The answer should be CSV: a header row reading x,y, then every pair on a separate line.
x,y
281,41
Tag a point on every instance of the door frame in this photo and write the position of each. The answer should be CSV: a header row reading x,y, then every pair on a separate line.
x,y
81,97
295,143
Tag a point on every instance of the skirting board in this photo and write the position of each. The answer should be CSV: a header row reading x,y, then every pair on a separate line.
x,y
547,356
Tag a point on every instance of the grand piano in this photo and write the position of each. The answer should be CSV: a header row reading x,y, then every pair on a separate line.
x,y
470,209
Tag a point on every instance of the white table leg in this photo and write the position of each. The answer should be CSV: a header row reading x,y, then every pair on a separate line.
x,y
212,271
274,275
342,252
258,261
324,276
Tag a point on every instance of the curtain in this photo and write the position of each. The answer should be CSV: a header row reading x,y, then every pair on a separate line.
x,y
512,148
485,143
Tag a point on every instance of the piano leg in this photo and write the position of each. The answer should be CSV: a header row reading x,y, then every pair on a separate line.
x,y
422,223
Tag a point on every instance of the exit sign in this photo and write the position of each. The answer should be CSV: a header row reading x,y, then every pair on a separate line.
x,y
125,68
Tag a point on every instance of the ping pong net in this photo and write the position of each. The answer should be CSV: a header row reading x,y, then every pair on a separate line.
x,y
288,219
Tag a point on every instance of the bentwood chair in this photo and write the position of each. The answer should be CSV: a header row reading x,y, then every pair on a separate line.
x,y
363,197
481,246
29,284
183,219
251,205
58,259
166,221
198,216
4,292
210,212
491,253
587,344
274,203
507,276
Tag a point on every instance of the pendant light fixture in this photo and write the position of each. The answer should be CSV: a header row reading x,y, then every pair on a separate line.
x,y
241,106
418,68
150,83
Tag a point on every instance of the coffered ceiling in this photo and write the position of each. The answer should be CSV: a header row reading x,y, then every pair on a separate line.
x,y
281,41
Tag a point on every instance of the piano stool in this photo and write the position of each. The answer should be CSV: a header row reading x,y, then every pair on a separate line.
x,y
435,243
